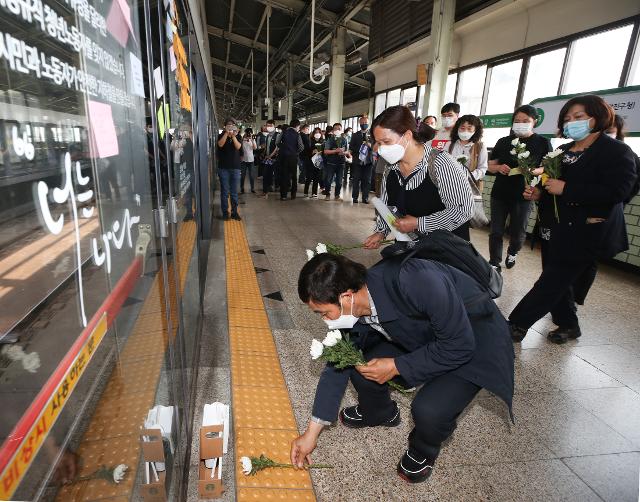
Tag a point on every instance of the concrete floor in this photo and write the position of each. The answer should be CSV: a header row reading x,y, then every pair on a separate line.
x,y
577,406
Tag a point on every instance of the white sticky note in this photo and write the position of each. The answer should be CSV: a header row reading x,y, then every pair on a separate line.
x,y
172,59
103,131
157,81
136,78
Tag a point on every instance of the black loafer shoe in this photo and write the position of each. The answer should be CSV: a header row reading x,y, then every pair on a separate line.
x,y
236,217
414,468
351,417
517,333
562,335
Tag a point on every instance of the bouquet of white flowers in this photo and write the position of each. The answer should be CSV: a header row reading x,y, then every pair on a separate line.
x,y
552,163
525,163
342,353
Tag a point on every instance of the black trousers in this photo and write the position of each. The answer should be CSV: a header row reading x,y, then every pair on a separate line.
x,y
361,181
435,407
289,176
312,178
554,291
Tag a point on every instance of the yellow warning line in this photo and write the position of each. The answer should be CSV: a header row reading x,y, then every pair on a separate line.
x,y
262,412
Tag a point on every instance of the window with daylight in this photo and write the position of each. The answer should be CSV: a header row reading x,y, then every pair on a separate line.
x,y
543,75
503,87
393,98
634,74
409,96
470,90
596,62
380,103
450,91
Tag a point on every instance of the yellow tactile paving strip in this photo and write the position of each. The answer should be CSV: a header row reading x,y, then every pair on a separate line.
x,y
112,435
263,418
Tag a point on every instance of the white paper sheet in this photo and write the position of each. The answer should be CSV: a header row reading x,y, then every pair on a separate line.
x,y
389,218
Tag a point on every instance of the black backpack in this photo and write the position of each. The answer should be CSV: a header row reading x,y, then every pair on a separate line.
x,y
444,247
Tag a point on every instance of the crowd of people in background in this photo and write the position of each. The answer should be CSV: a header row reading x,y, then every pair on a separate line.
x,y
394,157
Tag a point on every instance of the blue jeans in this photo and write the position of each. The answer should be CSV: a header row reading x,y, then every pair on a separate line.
x,y
331,171
229,183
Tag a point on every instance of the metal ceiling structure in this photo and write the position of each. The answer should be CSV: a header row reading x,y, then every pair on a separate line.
x,y
237,28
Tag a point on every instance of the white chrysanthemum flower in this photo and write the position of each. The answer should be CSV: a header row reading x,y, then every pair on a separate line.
x,y
332,338
520,155
247,467
535,181
525,154
316,349
119,472
31,362
13,352
554,154
321,248
310,254
513,151
515,141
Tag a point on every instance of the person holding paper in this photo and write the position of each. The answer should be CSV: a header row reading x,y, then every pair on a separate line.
x,y
430,192
229,168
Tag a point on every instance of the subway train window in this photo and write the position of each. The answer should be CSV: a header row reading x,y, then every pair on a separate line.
x,y
608,50
503,87
543,75
470,89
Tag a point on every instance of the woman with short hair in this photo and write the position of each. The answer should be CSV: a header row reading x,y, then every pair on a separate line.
x,y
581,215
467,148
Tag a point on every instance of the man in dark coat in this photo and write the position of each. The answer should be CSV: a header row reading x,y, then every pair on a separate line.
x,y
362,154
424,322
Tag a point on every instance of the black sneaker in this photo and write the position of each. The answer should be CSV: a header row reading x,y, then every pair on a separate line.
x,y
562,335
236,217
225,217
510,262
365,202
355,201
517,333
497,268
414,468
351,417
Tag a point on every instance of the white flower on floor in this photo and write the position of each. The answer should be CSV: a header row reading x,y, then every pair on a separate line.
x,y
247,467
332,338
310,254
31,362
321,248
13,352
119,472
316,349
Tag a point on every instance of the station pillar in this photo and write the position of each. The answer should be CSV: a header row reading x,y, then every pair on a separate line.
x,y
290,92
336,80
439,56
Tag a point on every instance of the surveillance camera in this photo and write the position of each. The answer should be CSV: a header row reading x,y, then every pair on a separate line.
x,y
322,71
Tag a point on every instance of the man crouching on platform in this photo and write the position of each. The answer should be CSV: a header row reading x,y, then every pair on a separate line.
x,y
422,321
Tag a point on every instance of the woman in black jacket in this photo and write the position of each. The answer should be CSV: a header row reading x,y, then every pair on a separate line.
x,y
598,174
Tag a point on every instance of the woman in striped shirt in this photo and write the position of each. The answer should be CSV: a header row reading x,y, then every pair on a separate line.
x,y
428,197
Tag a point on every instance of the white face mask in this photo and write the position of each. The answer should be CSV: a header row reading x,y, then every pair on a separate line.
x,y
271,129
465,135
612,135
448,121
392,153
317,135
344,321
522,128
265,133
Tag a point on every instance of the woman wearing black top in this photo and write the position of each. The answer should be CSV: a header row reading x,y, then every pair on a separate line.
x,y
506,194
598,174
427,198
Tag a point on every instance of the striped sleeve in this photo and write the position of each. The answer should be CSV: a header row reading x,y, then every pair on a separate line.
x,y
381,225
455,193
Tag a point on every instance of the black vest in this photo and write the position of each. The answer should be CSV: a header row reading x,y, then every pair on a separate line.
x,y
424,200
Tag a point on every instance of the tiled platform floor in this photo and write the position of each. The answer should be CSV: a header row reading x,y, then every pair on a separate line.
x,y
577,406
